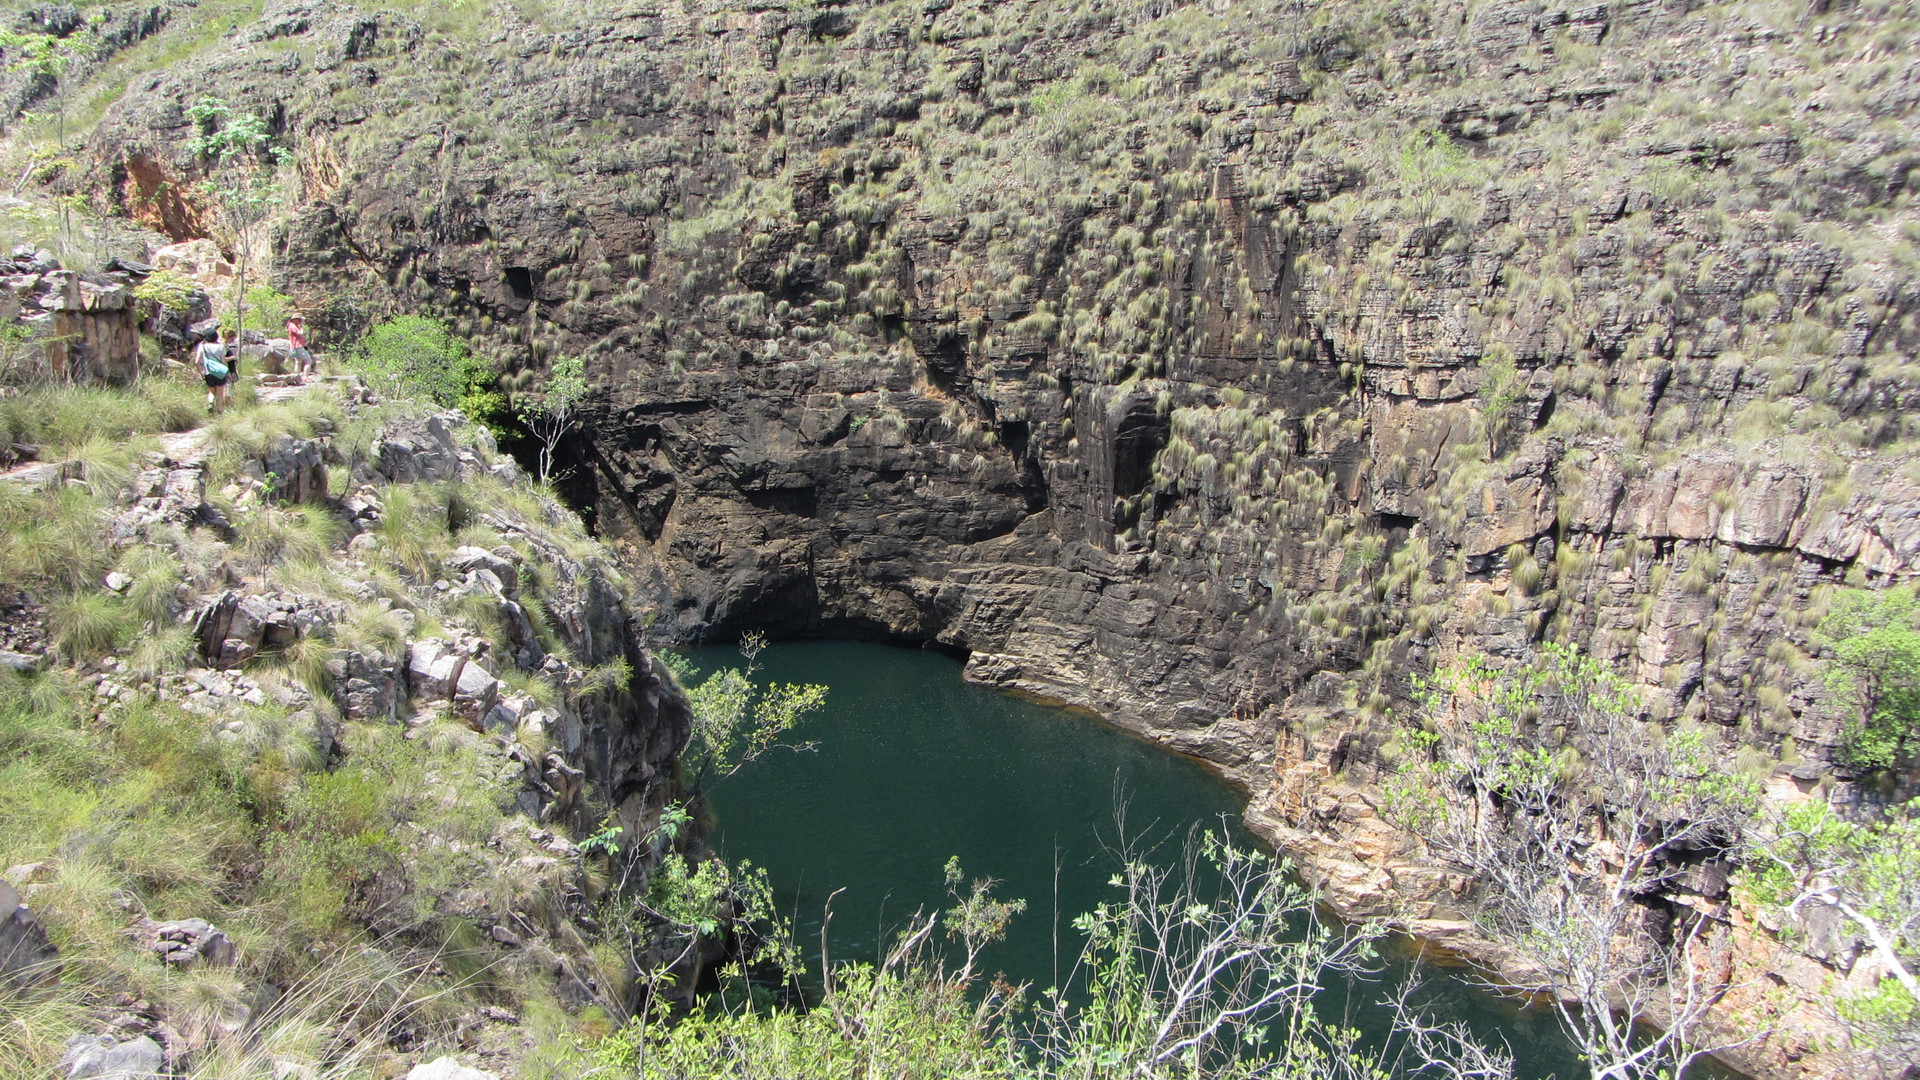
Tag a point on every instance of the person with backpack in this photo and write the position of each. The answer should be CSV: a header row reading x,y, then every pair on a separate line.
x,y
218,367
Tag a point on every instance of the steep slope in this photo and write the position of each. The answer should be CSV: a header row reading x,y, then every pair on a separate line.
x,y
1220,368
300,712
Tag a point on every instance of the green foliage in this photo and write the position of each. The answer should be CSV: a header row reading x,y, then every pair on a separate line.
x,y
227,135
1430,166
59,417
170,289
735,722
265,310
1514,773
419,357
1501,388
48,56
1875,637
1180,980
271,535
20,353
695,899
1868,869
87,624
905,1025
976,919
1886,1020
52,538
244,183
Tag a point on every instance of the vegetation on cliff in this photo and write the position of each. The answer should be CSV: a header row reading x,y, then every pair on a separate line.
x,y
292,722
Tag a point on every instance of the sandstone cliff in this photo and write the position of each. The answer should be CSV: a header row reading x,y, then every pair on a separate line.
x,y
1217,367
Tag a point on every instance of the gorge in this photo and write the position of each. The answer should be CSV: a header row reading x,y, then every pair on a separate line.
x,y
1223,369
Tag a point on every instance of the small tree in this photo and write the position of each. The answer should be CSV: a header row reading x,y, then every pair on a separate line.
x,y
1572,813
243,182
555,413
265,310
1500,390
1198,968
1430,166
735,722
48,56
170,289
1869,872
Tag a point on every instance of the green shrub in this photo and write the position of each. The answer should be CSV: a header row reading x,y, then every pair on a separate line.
x,y
1876,646
266,310
170,289
414,356
156,572
52,539
59,416
270,536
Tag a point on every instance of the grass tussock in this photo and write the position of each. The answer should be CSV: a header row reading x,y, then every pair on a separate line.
x,y
62,417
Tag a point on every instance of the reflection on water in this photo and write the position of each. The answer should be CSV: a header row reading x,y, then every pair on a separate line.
x,y
913,765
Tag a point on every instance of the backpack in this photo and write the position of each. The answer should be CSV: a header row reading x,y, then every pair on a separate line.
x,y
214,366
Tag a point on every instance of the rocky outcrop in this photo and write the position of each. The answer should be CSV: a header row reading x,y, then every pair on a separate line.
x,y
516,677
101,1057
186,943
88,42
87,322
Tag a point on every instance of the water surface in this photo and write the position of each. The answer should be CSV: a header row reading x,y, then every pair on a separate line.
x,y
912,765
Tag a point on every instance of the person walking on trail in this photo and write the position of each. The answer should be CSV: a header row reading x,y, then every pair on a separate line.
x,y
303,362
219,368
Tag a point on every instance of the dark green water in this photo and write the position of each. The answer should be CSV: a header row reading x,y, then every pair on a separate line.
x,y
913,766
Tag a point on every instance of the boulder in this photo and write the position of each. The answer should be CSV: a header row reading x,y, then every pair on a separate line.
x,y
522,638
366,685
28,259
475,692
200,260
416,451
467,560
438,671
295,470
447,1068
27,958
433,669
93,331
232,628
235,626
176,328
100,1057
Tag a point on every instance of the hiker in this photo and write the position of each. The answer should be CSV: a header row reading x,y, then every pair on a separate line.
x,y
219,368
303,361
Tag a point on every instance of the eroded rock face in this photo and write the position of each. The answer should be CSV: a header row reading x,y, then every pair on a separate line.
x,y
87,322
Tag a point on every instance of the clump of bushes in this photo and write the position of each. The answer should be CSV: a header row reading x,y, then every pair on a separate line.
x,y
419,357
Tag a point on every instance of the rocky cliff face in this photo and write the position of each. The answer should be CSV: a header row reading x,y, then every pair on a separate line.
x,y
1218,369
338,595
